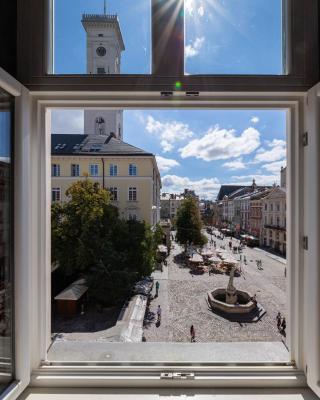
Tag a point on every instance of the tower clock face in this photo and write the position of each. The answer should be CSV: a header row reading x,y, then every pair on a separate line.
x,y
101,51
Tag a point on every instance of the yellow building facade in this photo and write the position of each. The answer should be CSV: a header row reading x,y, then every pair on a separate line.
x,y
129,173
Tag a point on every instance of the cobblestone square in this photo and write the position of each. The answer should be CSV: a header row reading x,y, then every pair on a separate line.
x,y
182,297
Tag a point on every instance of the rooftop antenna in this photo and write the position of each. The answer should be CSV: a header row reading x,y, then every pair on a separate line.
x,y
105,7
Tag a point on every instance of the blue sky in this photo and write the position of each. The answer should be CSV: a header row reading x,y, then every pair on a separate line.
x,y
5,135
222,36
202,149
195,149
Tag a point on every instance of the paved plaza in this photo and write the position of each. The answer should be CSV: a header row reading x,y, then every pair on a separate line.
x,y
182,297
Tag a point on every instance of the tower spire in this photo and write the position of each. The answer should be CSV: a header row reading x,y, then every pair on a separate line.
x,y
105,7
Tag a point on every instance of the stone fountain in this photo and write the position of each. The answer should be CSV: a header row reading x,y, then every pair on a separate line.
x,y
234,302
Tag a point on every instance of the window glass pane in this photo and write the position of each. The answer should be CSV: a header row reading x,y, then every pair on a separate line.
x,y
193,221
89,39
6,243
234,37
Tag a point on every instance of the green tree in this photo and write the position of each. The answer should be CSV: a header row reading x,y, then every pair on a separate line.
x,y
89,239
188,224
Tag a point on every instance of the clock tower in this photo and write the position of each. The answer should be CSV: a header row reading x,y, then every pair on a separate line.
x,y
104,47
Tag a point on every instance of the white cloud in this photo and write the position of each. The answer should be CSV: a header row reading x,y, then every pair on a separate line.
x,y
165,164
277,152
193,49
221,144
234,165
205,188
275,167
201,11
188,6
67,121
261,180
168,132
254,120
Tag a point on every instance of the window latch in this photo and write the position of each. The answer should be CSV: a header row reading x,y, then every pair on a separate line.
x,y
177,375
305,242
166,94
305,139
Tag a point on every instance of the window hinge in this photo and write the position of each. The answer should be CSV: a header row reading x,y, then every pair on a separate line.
x,y
305,242
305,139
177,375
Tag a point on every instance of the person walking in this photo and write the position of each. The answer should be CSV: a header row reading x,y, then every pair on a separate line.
x,y
157,288
192,334
283,326
159,314
278,318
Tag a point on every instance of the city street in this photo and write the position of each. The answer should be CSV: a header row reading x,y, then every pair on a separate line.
x,y
182,297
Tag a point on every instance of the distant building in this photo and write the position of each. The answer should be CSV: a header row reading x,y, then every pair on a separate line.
x,y
273,233
255,216
170,204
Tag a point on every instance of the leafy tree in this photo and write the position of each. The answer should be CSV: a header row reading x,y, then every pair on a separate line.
x,y
89,239
188,224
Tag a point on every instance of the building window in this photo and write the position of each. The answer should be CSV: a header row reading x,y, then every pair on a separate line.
x,y
55,170
271,206
113,170
93,169
101,70
266,207
132,169
113,193
100,126
75,170
132,216
132,194
278,207
56,194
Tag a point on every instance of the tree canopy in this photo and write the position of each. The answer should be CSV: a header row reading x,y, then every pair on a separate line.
x,y
89,239
188,224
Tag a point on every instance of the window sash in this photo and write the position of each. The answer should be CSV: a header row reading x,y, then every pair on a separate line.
x,y
75,170
41,183
301,36
55,169
113,170
132,170
93,169
132,194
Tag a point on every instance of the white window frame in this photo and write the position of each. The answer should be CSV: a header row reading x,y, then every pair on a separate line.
x,y
132,168
113,168
95,167
33,256
134,190
56,190
55,170
77,169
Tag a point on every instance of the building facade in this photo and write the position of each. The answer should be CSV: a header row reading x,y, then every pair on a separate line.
x,y
273,234
129,173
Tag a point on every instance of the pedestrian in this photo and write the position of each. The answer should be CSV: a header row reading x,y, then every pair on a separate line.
x,y
283,326
159,314
192,334
278,318
244,259
157,288
215,244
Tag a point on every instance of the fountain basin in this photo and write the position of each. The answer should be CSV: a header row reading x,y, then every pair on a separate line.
x,y
217,301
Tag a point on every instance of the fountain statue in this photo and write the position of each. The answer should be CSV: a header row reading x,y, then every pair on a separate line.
x,y
231,291
235,304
